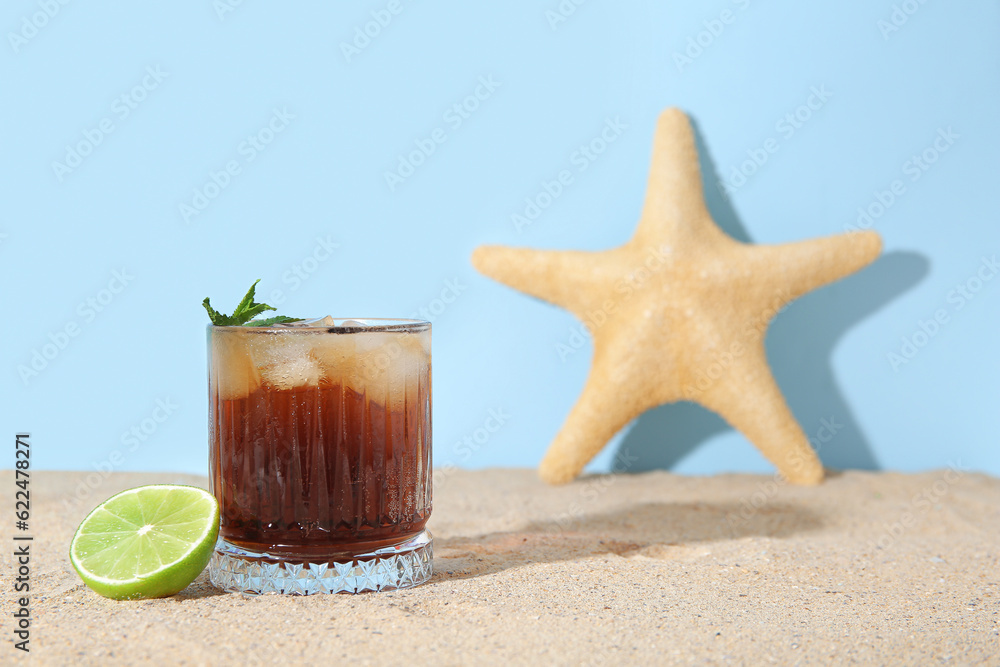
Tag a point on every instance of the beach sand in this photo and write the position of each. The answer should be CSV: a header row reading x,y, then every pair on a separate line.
x,y
653,568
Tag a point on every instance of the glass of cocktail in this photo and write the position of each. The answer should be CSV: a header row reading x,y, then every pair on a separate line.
x,y
320,455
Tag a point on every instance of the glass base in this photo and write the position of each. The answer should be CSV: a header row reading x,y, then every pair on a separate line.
x,y
402,566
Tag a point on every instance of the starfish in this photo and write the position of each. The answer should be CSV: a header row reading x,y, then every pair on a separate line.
x,y
679,312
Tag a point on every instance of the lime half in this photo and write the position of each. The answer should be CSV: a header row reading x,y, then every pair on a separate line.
x,y
146,542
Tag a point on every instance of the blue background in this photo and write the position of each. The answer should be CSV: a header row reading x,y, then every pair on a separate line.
x,y
323,177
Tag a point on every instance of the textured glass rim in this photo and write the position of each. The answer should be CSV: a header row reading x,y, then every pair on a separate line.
x,y
385,324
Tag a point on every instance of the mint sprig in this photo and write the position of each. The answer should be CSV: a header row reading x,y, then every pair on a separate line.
x,y
245,312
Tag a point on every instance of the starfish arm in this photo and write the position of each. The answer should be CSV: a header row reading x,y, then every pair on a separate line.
x,y
564,278
608,402
674,210
798,268
596,417
749,399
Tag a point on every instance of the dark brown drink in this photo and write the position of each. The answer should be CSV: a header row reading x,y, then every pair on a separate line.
x,y
320,455
319,470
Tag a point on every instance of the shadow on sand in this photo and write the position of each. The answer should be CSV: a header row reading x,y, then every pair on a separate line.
x,y
668,531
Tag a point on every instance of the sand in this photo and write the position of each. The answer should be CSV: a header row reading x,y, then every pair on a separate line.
x,y
869,568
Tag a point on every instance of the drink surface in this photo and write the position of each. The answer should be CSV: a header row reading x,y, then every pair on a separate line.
x,y
320,439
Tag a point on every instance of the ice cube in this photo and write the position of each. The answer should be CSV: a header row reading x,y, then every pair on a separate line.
x,y
285,361
233,370
373,359
396,366
335,354
413,360
379,364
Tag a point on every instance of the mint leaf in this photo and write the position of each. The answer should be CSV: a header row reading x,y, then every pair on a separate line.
x,y
245,312
253,311
218,319
247,301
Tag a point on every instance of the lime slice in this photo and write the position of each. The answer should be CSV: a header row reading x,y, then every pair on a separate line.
x,y
146,542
